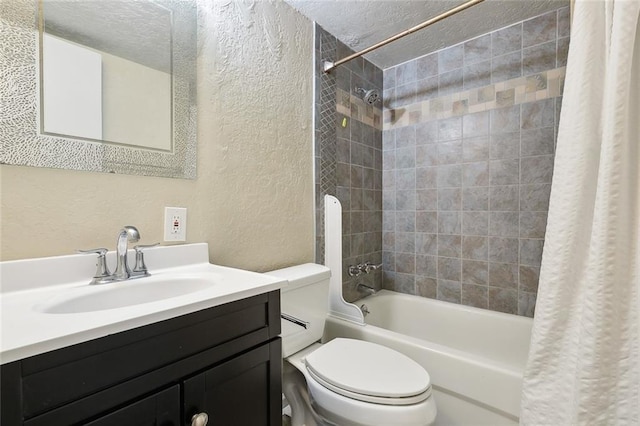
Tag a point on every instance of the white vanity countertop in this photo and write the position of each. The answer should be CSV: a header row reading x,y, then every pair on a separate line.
x,y
27,330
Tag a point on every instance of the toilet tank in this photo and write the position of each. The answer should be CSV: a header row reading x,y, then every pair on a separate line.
x,y
306,298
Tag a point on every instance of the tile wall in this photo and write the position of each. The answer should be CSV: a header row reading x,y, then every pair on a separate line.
x,y
468,149
348,158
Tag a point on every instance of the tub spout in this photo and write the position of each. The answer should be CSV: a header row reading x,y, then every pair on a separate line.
x,y
363,288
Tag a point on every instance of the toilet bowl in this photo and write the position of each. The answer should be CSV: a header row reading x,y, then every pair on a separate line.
x,y
344,382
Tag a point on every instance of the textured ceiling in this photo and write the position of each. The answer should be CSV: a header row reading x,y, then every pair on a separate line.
x,y
361,23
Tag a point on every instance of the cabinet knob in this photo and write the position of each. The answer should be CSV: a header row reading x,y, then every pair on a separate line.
x,y
199,419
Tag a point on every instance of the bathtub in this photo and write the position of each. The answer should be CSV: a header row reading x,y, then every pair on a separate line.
x,y
475,357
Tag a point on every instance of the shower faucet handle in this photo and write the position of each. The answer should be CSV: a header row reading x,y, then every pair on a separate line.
x,y
369,266
355,270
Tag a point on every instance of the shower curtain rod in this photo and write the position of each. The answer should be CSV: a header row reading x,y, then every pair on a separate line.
x,y
328,66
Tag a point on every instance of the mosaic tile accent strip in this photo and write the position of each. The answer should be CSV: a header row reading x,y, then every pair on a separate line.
x,y
544,85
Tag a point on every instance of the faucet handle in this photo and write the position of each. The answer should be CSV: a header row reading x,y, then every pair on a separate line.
x,y
102,274
141,268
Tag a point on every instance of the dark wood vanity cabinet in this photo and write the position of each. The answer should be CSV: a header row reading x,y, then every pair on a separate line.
x,y
224,361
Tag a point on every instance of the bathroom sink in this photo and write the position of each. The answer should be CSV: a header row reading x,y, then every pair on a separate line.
x,y
123,294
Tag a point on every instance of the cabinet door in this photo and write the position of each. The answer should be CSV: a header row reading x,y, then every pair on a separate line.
x,y
246,390
160,409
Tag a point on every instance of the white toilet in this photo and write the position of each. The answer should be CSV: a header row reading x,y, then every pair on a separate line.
x,y
343,382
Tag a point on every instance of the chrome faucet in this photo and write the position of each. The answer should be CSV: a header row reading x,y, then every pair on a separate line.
x,y
126,234
366,289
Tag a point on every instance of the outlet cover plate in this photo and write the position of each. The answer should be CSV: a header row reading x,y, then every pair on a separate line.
x,y
175,224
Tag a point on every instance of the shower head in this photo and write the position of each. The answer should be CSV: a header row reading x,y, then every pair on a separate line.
x,y
370,96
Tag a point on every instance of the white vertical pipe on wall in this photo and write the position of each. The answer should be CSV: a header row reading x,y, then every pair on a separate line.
x,y
338,307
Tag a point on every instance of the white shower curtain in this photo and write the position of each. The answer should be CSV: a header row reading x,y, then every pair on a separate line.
x,y
584,363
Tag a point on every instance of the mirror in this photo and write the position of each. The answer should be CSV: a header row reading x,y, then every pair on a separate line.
x,y
110,86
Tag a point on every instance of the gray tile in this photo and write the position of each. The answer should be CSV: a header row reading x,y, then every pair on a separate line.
x,y
426,243
449,199
477,75
539,58
531,252
405,94
540,29
562,52
533,224
504,198
505,172
406,73
388,220
475,149
357,244
343,150
503,250
477,50
426,199
506,40
449,269
356,199
475,272
406,263
449,291
405,200
405,283
426,221
529,277
564,22
538,114
405,179
505,145
475,295
503,224
475,223
427,66
427,266
427,133
449,245
427,88
388,261
450,82
450,58
405,137
505,119
506,67
426,287
405,242
388,200
389,78
450,128
405,158
475,174
503,275
389,160
449,176
357,222
426,177
537,169
449,222
388,241
475,247
535,197
356,176
526,304
405,221
426,155
475,199
475,124
449,152
537,141
503,300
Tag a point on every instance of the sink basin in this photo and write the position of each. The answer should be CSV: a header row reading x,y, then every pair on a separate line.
x,y
122,294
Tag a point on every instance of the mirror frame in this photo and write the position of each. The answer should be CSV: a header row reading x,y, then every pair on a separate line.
x,y
20,137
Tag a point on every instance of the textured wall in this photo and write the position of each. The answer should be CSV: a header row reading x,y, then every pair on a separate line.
x,y
253,198
468,160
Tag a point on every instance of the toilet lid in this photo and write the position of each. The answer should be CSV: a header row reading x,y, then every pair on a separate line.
x,y
367,369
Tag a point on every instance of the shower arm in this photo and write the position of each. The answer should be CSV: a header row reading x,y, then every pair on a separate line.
x,y
328,65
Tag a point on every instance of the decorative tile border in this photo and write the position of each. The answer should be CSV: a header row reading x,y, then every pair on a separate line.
x,y
547,84
354,107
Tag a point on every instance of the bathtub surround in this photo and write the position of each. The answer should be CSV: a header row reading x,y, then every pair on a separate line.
x,y
348,158
253,198
584,363
468,149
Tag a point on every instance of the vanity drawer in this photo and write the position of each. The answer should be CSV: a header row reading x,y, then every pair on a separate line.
x,y
126,362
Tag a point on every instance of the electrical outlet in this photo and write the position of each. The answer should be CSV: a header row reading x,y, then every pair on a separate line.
x,y
175,224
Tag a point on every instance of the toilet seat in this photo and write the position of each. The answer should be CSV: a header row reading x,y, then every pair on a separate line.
x,y
368,372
